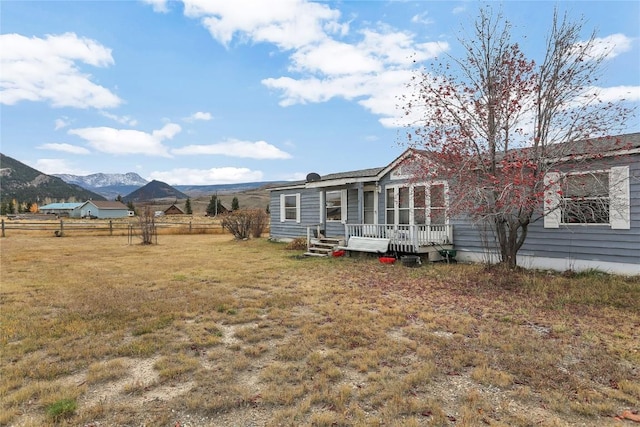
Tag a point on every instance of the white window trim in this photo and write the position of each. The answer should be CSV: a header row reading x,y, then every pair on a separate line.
x,y
283,214
343,206
551,209
427,185
619,199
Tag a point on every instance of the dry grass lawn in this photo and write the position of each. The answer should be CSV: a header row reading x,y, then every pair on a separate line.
x,y
202,330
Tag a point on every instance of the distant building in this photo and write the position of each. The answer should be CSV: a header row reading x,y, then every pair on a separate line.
x,y
60,209
101,209
173,210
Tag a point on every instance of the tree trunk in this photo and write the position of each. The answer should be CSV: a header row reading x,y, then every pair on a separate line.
x,y
511,235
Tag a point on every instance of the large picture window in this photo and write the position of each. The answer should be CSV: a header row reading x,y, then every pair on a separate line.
x,y
591,197
417,204
585,198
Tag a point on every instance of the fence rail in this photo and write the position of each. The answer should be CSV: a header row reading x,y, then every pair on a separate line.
x,y
71,227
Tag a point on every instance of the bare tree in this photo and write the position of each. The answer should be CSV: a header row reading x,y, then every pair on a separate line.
x,y
148,230
495,124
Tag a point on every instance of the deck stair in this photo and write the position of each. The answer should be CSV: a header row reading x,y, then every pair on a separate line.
x,y
323,246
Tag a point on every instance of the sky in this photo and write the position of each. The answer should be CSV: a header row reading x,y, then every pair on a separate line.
x,y
201,92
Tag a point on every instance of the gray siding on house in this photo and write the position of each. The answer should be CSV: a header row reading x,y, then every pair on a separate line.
x,y
593,242
582,242
352,207
598,243
309,214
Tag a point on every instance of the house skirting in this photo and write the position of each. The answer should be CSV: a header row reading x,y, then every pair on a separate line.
x,y
557,264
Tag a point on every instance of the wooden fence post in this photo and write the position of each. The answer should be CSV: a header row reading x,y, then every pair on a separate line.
x,y
110,228
3,228
189,227
61,228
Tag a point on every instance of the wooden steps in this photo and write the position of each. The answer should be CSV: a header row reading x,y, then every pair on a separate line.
x,y
323,246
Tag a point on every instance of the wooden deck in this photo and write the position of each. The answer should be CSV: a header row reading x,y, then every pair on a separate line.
x,y
411,239
425,240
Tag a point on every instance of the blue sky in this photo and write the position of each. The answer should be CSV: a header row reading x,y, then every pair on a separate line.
x,y
214,92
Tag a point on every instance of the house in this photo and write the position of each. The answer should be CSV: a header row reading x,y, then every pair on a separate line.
x,y
100,209
376,206
173,210
388,204
59,209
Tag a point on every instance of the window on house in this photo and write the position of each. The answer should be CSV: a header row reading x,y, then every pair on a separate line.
x,y
595,197
438,211
420,204
290,207
390,204
404,205
417,204
585,198
334,205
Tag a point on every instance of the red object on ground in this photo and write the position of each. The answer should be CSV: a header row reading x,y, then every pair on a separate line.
x,y
387,259
338,253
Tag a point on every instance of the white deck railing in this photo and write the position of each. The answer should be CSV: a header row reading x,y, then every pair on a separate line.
x,y
404,238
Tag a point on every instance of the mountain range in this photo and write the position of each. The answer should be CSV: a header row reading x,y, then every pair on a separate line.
x,y
109,185
98,180
153,191
28,185
114,185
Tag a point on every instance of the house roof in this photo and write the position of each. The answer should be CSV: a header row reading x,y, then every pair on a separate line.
x,y
604,146
173,208
61,206
363,173
589,147
106,204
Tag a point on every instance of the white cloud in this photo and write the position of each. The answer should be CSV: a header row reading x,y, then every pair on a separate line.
x,y
334,58
324,63
65,148
160,6
199,116
46,70
57,166
224,175
618,93
610,46
459,9
422,18
295,176
604,95
236,148
128,141
125,120
285,23
61,123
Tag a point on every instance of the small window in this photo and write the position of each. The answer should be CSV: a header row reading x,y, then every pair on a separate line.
x,y
334,205
585,198
390,203
404,206
419,204
290,207
438,210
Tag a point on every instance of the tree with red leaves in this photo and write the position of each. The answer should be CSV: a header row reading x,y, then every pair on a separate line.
x,y
495,123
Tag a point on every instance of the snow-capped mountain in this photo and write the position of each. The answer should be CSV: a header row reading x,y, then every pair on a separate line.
x,y
109,185
98,180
